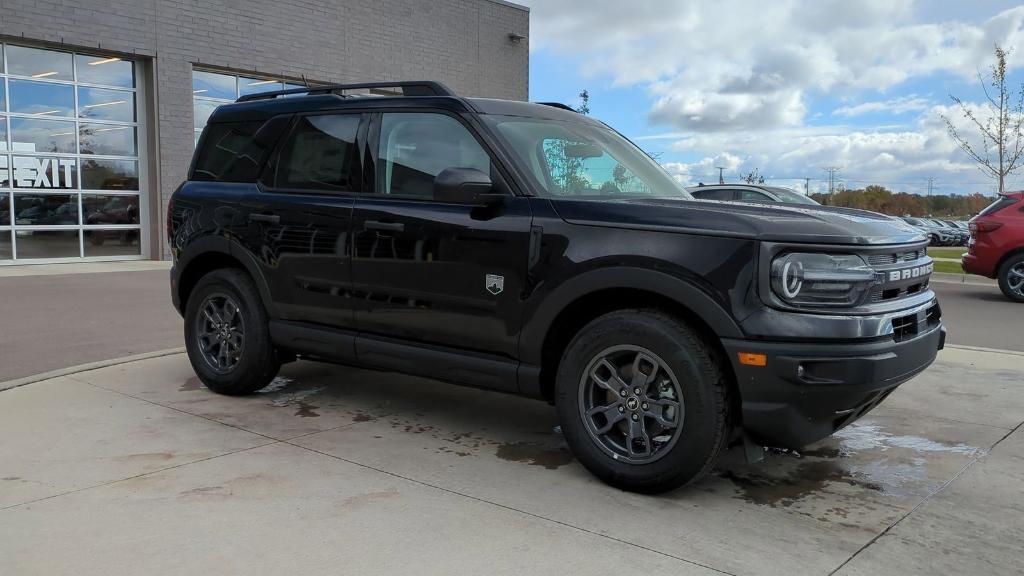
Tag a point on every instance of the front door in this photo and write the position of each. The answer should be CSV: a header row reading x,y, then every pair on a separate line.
x,y
299,221
432,271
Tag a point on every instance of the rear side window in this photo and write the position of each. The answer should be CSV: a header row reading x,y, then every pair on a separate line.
x,y
321,154
718,194
999,204
230,153
752,196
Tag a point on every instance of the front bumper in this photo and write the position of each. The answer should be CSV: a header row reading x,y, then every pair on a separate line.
x,y
806,392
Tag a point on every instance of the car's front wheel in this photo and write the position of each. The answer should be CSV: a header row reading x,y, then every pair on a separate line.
x,y
642,401
1011,278
227,334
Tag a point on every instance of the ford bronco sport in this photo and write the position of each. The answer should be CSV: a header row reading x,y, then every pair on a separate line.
x,y
529,249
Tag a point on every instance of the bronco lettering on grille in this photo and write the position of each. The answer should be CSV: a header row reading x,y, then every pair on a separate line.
x,y
908,273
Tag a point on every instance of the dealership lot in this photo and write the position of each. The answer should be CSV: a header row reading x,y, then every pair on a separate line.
x,y
138,468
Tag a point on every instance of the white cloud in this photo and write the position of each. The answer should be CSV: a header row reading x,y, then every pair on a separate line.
x,y
900,105
742,65
692,173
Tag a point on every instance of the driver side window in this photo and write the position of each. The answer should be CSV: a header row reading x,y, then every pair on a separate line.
x,y
415,147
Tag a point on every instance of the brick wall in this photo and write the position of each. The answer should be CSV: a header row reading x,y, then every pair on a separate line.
x,y
463,43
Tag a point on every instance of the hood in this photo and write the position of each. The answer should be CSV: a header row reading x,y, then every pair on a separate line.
x,y
768,222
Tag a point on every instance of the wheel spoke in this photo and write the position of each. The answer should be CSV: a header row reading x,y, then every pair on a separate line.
x,y
638,432
657,409
612,416
645,369
613,383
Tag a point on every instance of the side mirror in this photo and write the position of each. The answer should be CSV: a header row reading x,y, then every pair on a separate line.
x,y
465,186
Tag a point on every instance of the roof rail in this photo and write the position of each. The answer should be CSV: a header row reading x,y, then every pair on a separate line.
x,y
415,88
558,105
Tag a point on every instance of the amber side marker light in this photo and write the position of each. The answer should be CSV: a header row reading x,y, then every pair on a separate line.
x,y
751,359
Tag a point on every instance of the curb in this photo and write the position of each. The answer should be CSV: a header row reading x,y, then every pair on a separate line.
x,y
970,280
86,367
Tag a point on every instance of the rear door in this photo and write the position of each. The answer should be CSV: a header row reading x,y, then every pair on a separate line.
x,y
298,222
431,271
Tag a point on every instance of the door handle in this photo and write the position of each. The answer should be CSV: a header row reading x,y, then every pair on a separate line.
x,y
389,226
266,218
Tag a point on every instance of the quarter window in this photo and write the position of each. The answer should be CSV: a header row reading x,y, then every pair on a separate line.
x,y
321,154
415,148
230,153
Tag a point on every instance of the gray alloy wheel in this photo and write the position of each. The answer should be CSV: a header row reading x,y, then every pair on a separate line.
x,y
220,332
631,404
1015,279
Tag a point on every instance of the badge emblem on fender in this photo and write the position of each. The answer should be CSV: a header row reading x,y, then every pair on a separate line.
x,y
494,283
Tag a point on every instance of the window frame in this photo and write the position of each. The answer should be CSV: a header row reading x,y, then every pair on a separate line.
x,y
267,180
499,173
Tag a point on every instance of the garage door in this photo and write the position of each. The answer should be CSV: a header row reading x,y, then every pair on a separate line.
x,y
71,183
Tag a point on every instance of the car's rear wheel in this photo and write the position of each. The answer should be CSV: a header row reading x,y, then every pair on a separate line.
x,y
227,335
1011,278
642,401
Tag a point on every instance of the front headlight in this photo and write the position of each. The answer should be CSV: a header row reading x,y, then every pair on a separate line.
x,y
821,280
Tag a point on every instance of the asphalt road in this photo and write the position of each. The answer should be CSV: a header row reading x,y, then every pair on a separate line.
x,y
51,322
979,315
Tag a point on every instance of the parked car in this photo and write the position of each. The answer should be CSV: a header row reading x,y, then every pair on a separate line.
x,y
529,249
996,249
940,236
756,193
960,237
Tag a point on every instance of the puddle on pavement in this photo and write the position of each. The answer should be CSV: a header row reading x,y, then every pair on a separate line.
x,y
862,456
534,454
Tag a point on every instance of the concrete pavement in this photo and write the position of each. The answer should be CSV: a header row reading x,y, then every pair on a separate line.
x,y
137,468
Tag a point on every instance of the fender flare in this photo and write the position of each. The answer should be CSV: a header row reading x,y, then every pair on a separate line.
x,y
687,293
227,247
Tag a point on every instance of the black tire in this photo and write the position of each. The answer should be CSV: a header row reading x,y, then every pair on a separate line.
x,y
701,380
257,362
1012,265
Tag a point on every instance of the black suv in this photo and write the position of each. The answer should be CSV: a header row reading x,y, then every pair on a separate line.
x,y
529,249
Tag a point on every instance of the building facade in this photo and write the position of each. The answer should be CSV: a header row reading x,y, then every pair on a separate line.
x,y
101,101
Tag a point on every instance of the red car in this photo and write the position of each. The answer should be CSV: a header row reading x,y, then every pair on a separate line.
x,y
996,249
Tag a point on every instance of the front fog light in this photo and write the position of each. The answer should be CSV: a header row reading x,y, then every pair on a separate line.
x,y
808,279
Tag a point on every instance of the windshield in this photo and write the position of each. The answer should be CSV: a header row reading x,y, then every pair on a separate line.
x,y
583,161
787,195
913,221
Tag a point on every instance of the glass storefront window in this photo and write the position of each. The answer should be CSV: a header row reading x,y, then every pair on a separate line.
x,y
212,85
45,209
99,174
103,104
6,251
98,210
109,71
41,98
39,135
47,244
38,63
257,85
59,110
106,139
112,242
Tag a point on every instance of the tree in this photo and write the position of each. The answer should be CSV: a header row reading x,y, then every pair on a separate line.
x,y
584,107
753,177
566,169
1001,137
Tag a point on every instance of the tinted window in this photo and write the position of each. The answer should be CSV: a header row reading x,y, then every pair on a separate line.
x,y
718,194
321,154
414,148
999,204
229,153
752,196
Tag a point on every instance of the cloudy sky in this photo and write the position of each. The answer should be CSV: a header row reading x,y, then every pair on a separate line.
x,y
785,86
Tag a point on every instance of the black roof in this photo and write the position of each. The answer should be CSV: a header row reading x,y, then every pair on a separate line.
x,y
382,96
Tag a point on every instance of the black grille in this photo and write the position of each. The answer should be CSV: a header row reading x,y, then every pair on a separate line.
x,y
906,327
880,294
895,257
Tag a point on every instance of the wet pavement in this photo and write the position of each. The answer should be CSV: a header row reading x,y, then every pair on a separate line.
x,y
139,469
